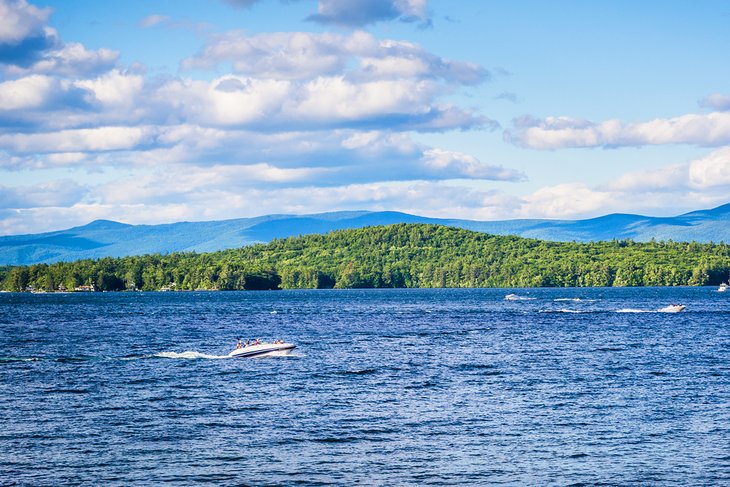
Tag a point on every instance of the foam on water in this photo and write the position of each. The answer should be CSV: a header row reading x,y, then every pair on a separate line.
x,y
515,297
189,355
18,359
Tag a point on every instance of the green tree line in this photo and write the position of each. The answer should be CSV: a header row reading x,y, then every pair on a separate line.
x,y
403,255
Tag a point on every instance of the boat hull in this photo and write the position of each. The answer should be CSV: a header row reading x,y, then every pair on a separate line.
x,y
265,349
674,308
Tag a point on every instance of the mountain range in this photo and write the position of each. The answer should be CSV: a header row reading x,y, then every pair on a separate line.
x,y
102,238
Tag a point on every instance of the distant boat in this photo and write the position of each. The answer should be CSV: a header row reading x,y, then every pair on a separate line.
x,y
263,349
722,288
515,297
672,308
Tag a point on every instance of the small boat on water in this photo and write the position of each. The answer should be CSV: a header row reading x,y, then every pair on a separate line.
x,y
512,297
722,288
263,349
672,308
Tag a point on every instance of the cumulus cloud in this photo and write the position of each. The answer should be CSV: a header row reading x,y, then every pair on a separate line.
x,y
357,13
711,171
453,164
710,130
305,122
665,179
268,104
20,21
79,140
28,45
706,173
330,80
24,35
304,55
702,182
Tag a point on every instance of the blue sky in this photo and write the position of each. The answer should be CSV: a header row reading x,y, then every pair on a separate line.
x,y
153,112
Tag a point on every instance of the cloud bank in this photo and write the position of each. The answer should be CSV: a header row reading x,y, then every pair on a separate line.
x,y
704,130
298,121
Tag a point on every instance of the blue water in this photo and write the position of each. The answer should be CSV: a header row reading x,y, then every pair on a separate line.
x,y
405,387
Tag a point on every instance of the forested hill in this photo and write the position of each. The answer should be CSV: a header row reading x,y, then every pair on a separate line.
x,y
403,255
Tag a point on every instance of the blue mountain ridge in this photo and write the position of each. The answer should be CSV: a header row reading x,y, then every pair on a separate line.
x,y
104,238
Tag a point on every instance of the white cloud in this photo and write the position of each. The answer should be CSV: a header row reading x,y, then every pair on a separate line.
x,y
304,56
20,20
25,93
669,178
305,122
324,102
700,183
73,59
705,173
451,164
708,130
29,46
79,140
114,88
565,200
711,171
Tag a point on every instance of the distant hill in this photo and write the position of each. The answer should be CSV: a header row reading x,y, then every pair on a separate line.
x,y
391,256
103,238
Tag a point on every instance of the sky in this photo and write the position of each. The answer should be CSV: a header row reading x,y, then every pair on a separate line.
x,y
152,112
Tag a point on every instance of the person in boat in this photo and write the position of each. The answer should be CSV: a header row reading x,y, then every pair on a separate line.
x,y
258,342
238,345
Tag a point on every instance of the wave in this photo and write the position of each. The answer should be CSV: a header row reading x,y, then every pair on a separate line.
x,y
564,310
576,300
18,359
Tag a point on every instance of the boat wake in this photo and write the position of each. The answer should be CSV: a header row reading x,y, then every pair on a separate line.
x,y
515,297
633,310
18,359
189,355
565,310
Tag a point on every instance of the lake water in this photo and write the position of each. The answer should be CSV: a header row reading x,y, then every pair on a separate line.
x,y
385,387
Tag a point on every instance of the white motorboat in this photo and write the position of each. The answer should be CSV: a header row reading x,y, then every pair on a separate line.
x,y
263,349
512,297
672,308
722,288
